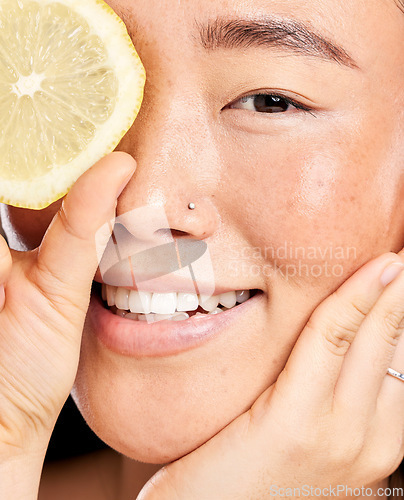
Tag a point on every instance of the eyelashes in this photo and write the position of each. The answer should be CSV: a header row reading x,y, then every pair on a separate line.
x,y
268,103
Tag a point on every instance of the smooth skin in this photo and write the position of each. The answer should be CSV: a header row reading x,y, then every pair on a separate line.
x,y
328,178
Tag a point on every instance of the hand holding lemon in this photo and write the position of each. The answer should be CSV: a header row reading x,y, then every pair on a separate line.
x,y
71,85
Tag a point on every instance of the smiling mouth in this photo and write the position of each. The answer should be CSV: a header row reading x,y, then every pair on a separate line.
x,y
140,306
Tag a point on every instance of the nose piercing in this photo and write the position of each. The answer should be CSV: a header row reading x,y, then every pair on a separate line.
x,y
191,206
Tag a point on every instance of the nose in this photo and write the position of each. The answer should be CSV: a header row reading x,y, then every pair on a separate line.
x,y
135,253
177,166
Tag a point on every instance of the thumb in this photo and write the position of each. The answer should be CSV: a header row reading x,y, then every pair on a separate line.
x,y
67,258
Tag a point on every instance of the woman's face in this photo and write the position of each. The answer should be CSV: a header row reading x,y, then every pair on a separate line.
x,y
290,202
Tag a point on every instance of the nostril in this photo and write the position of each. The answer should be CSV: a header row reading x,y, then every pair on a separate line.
x,y
174,233
179,234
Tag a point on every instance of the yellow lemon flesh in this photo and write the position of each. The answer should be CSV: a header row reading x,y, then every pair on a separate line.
x,y
71,85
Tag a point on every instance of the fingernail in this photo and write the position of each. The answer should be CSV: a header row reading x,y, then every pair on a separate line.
x,y
391,272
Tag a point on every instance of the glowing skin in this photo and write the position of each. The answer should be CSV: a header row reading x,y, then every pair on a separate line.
x,y
326,179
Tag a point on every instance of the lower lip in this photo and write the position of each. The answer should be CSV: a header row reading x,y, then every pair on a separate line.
x,y
165,338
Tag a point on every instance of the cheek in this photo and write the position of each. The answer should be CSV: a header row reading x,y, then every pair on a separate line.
x,y
319,207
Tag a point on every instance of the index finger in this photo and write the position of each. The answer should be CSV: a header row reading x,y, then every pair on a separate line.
x,y
67,258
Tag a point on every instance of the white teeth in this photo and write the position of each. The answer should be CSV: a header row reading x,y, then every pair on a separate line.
x,y
164,303
154,318
122,299
228,299
181,316
216,311
163,317
170,306
242,296
209,303
111,292
187,302
140,302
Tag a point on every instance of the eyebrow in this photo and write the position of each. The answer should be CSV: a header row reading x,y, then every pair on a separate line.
x,y
275,33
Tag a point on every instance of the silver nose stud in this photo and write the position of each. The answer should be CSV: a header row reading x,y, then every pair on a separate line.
x,y
191,206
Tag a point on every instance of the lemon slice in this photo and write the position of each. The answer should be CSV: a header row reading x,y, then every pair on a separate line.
x,y
71,85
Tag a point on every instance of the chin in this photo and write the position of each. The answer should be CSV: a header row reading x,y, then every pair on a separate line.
x,y
156,410
154,428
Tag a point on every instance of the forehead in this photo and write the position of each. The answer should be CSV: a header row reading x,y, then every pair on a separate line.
x,y
339,16
363,27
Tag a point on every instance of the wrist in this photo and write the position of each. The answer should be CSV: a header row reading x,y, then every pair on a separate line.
x,y
20,472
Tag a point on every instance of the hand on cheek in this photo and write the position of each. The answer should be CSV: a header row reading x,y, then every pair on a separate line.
x,y
327,420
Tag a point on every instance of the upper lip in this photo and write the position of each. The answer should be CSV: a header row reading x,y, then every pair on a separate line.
x,y
168,284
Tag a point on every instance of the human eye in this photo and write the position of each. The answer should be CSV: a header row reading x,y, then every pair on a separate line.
x,y
268,103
